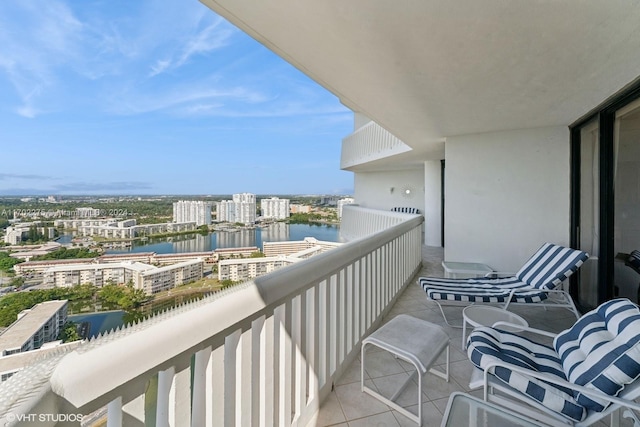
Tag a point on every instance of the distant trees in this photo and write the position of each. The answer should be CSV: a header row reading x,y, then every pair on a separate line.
x,y
7,262
69,332
304,218
64,253
111,296
256,254
124,297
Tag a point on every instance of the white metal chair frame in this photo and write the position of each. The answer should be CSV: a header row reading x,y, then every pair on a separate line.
x,y
492,383
556,298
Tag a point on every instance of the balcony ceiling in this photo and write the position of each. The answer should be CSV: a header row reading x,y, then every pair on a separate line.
x,y
429,69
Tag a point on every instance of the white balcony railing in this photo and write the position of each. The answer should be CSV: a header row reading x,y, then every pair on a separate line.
x,y
263,353
370,142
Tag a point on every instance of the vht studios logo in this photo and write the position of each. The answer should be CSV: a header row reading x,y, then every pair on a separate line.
x,y
44,418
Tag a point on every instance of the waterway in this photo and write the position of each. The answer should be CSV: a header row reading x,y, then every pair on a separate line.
x,y
237,238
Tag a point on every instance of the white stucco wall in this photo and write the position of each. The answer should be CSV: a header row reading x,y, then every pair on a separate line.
x,y
506,193
384,189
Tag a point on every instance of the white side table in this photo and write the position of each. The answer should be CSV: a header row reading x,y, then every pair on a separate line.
x,y
487,315
464,410
464,270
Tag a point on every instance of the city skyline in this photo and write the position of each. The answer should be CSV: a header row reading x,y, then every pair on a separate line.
x,y
157,98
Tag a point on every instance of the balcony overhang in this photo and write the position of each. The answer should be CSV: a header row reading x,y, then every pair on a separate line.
x,y
430,69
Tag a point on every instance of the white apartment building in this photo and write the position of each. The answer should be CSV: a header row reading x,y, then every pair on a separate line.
x,y
16,233
289,248
226,210
244,269
278,254
94,274
38,325
158,279
147,277
342,202
275,208
245,204
192,211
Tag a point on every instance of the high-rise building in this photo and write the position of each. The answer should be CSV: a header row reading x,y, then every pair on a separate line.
x,y
275,208
192,211
245,204
226,211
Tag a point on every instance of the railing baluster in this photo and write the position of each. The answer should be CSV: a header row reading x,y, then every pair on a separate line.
x,y
230,377
199,388
180,401
114,413
215,388
267,378
164,401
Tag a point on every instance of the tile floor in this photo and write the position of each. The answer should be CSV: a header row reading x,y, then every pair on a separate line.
x,y
348,406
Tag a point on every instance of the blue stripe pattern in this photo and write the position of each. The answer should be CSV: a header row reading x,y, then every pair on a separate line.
x,y
551,265
602,350
634,260
406,210
488,345
546,269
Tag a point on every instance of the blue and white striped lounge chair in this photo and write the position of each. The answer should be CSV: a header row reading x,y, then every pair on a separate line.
x,y
591,370
538,281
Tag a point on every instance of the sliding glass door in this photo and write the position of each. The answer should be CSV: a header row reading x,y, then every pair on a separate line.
x,y
605,199
626,216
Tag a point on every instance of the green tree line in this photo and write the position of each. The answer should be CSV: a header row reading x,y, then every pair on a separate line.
x,y
112,297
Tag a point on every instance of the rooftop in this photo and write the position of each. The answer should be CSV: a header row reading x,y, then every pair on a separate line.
x,y
27,325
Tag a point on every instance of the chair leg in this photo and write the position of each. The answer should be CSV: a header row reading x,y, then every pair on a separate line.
x,y
445,317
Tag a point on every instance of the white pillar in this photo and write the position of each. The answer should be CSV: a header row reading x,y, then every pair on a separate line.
x,y
432,203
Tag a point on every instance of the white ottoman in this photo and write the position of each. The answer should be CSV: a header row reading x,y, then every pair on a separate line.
x,y
416,341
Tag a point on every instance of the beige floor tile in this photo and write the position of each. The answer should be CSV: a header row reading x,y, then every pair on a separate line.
x,y
330,412
356,404
381,420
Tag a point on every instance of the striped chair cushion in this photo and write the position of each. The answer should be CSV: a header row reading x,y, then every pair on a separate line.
x,y
488,345
406,210
634,260
551,265
479,290
602,350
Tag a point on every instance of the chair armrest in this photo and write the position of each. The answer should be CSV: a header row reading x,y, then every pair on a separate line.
x,y
524,328
555,380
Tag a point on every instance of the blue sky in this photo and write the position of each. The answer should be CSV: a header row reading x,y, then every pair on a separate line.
x,y
156,97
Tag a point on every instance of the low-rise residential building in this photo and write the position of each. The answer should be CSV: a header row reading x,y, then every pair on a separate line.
x,y
39,267
248,268
147,277
226,253
94,274
295,208
290,248
160,279
278,254
34,327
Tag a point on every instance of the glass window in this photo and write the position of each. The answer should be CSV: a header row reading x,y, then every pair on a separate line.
x,y
627,199
589,232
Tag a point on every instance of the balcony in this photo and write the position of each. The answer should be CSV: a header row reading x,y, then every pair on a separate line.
x,y
368,144
280,350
